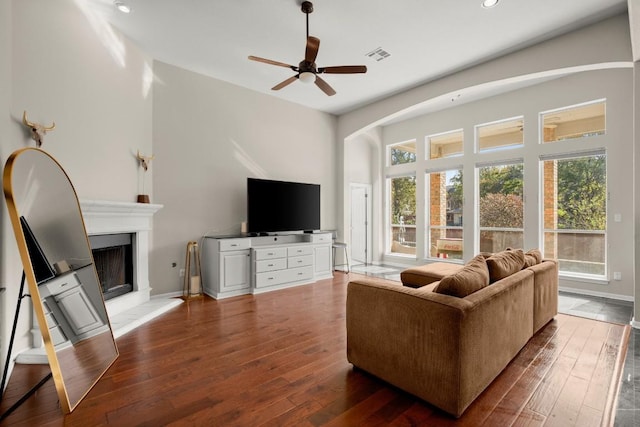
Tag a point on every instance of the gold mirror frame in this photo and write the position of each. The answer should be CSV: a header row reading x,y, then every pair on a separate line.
x,y
58,265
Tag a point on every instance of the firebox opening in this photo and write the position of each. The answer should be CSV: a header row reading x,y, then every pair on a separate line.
x,y
113,258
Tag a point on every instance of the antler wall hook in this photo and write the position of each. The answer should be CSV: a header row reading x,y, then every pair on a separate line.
x,y
144,160
38,131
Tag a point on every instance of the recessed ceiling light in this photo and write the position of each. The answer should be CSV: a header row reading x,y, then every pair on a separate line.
x,y
487,4
122,7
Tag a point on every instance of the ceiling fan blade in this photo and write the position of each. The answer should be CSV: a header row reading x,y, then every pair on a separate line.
x,y
324,86
285,83
343,69
270,61
313,44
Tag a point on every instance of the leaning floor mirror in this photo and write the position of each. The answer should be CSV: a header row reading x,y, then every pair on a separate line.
x,y
58,265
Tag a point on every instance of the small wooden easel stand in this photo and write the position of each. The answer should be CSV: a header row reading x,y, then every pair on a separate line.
x,y
192,283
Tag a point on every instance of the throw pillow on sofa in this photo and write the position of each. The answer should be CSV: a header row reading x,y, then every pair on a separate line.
x,y
505,263
473,277
531,257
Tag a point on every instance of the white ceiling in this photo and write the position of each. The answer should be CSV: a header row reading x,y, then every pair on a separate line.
x,y
426,39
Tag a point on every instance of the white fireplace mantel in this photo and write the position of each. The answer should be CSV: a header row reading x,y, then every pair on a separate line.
x,y
107,217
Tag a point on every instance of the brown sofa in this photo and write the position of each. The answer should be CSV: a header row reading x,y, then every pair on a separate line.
x,y
442,348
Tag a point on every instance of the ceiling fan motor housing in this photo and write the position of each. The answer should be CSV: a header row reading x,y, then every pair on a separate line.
x,y
307,7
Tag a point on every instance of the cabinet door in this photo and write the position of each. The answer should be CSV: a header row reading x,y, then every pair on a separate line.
x,y
322,258
78,310
234,271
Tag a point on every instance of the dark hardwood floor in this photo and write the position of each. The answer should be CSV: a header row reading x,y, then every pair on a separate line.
x,y
279,359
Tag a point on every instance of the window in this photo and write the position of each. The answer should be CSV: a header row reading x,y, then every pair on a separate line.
x,y
501,207
575,212
445,145
445,214
506,133
573,122
404,152
402,220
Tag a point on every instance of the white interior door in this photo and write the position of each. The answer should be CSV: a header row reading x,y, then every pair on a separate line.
x,y
360,223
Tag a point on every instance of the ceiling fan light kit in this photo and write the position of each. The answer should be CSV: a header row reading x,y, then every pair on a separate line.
x,y
307,77
307,72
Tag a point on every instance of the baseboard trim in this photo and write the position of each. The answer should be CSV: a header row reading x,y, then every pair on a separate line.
x,y
596,294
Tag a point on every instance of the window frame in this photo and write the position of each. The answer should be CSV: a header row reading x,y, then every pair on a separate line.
x,y
435,135
427,212
477,127
543,230
389,214
541,120
478,228
395,144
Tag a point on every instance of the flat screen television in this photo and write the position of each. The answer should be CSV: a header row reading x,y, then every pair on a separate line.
x,y
282,206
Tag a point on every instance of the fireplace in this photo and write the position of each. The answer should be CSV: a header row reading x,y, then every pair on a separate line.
x,y
104,218
113,259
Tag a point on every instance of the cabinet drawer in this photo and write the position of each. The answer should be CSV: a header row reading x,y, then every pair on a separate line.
x,y
61,283
302,273
299,261
270,278
321,238
270,253
271,265
273,278
300,250
233,244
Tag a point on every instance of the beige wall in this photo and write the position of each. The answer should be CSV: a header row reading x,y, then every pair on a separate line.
x,y
208,137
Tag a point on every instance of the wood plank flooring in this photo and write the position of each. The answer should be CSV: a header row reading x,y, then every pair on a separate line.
x,y
279,359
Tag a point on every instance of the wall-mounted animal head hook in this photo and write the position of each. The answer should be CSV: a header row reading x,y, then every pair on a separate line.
x,y
38,131
144,160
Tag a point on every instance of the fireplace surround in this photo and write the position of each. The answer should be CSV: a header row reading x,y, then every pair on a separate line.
x,y
107,217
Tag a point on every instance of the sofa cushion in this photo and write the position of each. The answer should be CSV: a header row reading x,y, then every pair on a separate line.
x,y
532,257
416,277
471,278
505,263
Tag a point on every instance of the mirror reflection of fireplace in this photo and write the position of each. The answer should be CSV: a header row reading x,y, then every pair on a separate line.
x,y
113,258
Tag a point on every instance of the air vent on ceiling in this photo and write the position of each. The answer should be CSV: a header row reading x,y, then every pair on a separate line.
x,y
378,54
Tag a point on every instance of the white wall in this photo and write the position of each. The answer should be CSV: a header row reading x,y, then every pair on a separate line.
x,y
62,63
70,67
363,157
208,137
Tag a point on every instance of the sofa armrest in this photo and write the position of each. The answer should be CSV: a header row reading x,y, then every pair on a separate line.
x,y
545,302
407,337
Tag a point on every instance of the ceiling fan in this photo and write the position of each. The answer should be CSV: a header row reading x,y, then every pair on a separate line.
x,y
306,70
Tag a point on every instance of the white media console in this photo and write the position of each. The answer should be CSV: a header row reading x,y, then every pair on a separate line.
x,y
243,265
